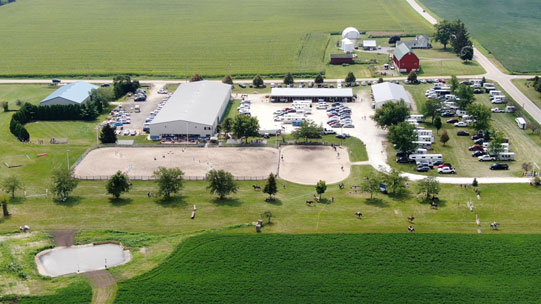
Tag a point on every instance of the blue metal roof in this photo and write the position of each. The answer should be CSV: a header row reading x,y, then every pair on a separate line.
x,y
76,92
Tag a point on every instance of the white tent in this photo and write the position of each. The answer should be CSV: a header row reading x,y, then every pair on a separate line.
x,y
351,33
347,45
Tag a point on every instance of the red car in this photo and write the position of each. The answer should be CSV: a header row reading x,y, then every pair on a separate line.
x,y
445,165
476,148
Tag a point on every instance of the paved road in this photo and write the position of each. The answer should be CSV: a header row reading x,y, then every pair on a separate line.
x,y
493,72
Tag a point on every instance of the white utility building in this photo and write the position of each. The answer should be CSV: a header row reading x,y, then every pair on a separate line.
x,y
347,45
351,33
75,93
385,92
195,109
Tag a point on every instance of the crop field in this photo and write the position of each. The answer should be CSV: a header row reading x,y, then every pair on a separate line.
x,y
175,38
508,30
380,268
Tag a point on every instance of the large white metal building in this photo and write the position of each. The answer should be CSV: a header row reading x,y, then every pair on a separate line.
x,y
195,109
75,93
385,92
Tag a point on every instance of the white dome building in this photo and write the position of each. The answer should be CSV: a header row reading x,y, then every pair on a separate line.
x,y
351,33
347,45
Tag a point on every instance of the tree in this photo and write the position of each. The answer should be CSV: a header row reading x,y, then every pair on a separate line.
x,y
391,114
466,53
321,187
245,126
443,32
380,80
394,39
319,79
4,204
481,116
429,186
169,181
307,129
350,78
11,184
460,37
496,145
454,84
123,84
466,96
258,81
101,97
5,106
437,124
412,77
430,108
444,138
270,187
394,181
371,184
227,79
118,184
288,79
196,77
267,215
227,125
63,183
107,135
221,183
403,136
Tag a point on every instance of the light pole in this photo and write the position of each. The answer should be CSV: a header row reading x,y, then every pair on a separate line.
x,y
68,158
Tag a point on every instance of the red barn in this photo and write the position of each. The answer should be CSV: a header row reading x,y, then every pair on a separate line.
x,y
341,58
404,59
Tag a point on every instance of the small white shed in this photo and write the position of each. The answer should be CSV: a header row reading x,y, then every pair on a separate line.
x,y
347,45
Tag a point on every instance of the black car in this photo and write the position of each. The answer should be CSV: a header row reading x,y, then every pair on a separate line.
x,y
402,160
104,85
423,169
462,133
477,136
498,166
437,163
400,154
478,153
479,141
341,136
454,120
447,114
478,91
242,85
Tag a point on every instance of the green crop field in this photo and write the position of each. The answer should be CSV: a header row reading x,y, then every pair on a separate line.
x,y
507,29
174,38
354,268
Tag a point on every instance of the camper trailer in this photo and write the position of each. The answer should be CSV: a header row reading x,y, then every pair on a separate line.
x,y
302,104
417,118
431,158
521,122
427,138
290,118
508,156
423,144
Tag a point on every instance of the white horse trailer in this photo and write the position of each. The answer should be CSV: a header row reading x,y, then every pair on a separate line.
x,y
521,122
431,158
417,118
423,144
509,156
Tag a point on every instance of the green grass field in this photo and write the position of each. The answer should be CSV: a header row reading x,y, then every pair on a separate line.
x,y
369,268
526,87
175,38
508,30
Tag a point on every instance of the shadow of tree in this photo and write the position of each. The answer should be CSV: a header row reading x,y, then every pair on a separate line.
x,y
16,200
376,202
275,201
118,202
232,202
172,202
400,195
69,202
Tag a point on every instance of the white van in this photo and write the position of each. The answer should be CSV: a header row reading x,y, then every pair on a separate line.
x,y
137,109
429,157
521,122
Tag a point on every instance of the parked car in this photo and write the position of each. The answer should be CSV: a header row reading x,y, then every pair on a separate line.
x,y
461,124
447,114
452,120
162,91
476,148
402,160
349,126
463,133
242,85
446,170
445,165
341,136
423,169
498,166
486,157
477,136
478,153
328,131
497,110
126,132
104,85
479,141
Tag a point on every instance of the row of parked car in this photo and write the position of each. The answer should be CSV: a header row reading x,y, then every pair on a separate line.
x,y
339,116
244,107
153,114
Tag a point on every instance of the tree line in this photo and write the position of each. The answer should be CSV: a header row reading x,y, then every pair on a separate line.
x,y
456,34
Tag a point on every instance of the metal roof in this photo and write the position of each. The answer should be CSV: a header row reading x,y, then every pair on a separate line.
x,y
400,51
341,55
311,92
369,43
198,102
76,92
387,91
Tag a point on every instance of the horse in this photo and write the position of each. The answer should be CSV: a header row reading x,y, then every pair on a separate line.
x,y
411,218
24,228
358,214
410,228
434,205
256,187
494,226
309,203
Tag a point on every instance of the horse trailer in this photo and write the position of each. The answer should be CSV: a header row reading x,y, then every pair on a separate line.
x,y
521,122
509,156
423,144
428,157
418,118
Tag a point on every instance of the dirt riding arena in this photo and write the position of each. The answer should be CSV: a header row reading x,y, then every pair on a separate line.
x,y
140,163
309,164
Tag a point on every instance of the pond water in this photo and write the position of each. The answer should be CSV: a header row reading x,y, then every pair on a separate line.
x,y
78,259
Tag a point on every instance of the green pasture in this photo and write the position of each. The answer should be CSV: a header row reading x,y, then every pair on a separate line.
x,y
526,87
527,147
178,38
509,31
342,268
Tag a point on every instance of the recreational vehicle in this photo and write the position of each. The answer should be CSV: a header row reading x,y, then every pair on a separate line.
x,y
423,144
521,122
427,157
418,118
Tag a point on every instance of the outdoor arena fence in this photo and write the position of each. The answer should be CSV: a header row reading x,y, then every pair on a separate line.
x,y
152,178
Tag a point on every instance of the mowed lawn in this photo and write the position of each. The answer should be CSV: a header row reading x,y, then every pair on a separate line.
x,y
527,147
335,268
526,87
175,38
509,30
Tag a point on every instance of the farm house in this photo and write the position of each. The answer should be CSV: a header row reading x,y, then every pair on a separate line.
x,y
315,95
405,60
195,108
385,92
71,94
420,42
351,33
347,45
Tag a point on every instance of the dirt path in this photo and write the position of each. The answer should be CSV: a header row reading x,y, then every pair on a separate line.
x,y
103,286
63,238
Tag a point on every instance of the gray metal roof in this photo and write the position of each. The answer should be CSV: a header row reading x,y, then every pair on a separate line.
x,y
387,91
76,92
369,43
341,55
311,92
401,50
198,102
